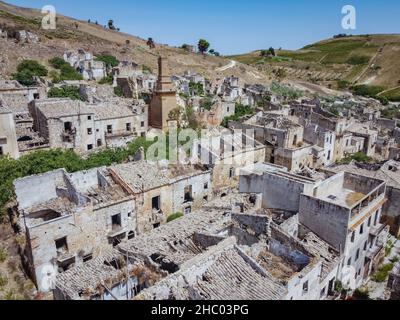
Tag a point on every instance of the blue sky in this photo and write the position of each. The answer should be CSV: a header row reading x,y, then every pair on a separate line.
x,y
234,26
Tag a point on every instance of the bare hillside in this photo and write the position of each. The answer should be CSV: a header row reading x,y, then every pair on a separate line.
x,y
75,34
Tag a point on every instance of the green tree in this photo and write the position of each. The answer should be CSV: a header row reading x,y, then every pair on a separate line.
x,y
150,43
28,70
203,46
70,92
111,24
109,60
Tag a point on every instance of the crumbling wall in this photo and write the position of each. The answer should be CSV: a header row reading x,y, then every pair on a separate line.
x,y
327,220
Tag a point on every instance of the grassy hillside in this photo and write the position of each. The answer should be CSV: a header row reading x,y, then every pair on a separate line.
x,y
75,34
368,59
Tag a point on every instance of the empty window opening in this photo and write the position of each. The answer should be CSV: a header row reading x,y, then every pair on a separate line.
x,y
156,203
36,96
116,222
142,124
128,127
1,151
89,131
131,235
188,194
305,287
362,229
109,129
231,172
67,126
90,147
61,246
156,225
99,143
353,236
295,140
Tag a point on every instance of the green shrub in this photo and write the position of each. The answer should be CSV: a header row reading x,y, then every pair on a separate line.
x,y
27,70
359,157
47,160
146,69
118,92
3,281
383,273
358,60
196,88
368,91
107,80
3,255
70,92
343,84
175,216
66,72
110,61
240,111
361,294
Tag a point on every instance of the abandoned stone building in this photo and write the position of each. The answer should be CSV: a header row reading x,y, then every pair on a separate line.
x,y
86,64
133,81
353,206
164,98
283,140
343,209
162,190
71,218
8,136
15,98
82,127
229,250
389,172
225,152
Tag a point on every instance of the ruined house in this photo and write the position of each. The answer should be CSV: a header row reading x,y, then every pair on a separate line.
x,y
8,136
161,190
283,140
214,253
394,282
83,127
389,172
71,218
16,98
343,209
86,64
225,152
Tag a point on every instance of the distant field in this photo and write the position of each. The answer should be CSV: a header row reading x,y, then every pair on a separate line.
x,y
368,59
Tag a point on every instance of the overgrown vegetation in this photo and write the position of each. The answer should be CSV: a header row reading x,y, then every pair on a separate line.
x,y
391,113
147,69
358,157
107,80
358,60
44,161
240,111
65,71
383,273
28,70
196,88
175,216
285,91
109,60
361,294
118,92
3,254
70,92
